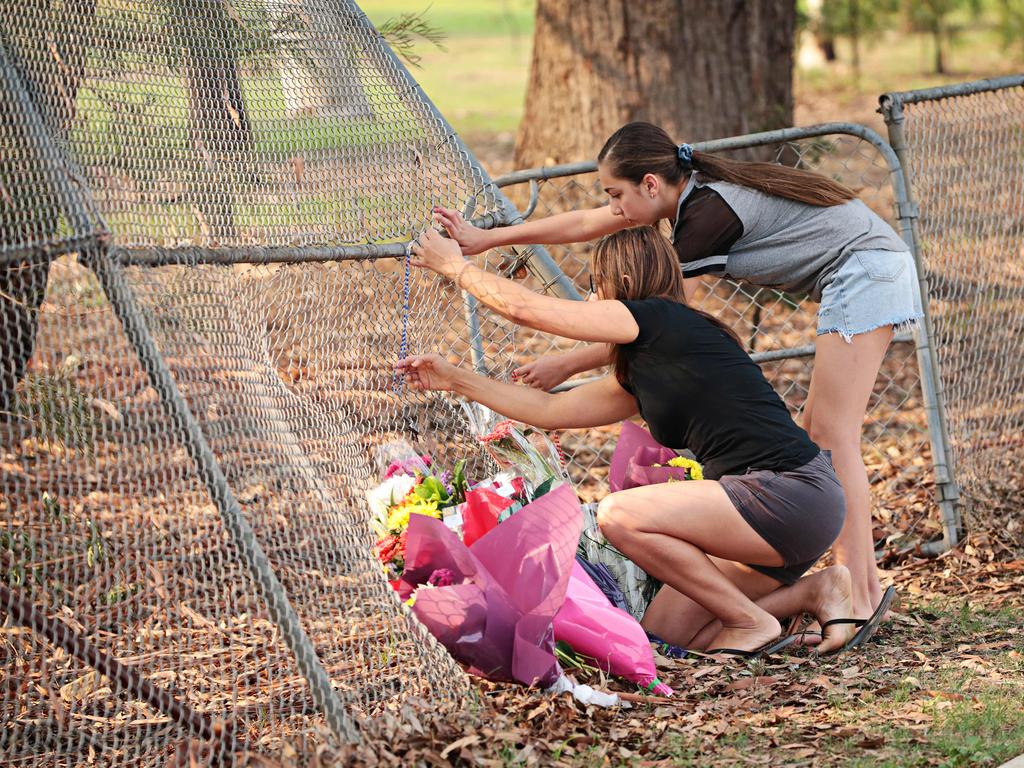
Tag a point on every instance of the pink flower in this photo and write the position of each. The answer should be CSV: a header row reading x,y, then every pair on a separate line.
x,y
442,577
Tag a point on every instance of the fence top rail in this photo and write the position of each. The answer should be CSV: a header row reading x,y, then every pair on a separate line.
x,y
956,89
721,145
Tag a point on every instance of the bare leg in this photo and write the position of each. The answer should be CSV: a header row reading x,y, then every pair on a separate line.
x,y
824,594
677,619
669,530
844,375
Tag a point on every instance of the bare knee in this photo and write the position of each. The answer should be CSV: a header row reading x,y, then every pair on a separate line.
x,y
612,517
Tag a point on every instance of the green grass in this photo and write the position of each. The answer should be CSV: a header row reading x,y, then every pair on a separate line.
x,y
959,618
901,61
985,728
479,82
944,691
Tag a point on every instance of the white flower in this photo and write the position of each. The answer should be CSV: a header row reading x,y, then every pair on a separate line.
x,y
388,493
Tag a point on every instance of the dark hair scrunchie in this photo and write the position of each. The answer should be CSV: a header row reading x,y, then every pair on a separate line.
x,y
685,154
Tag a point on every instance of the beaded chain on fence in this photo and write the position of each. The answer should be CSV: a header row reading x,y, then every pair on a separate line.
x,y
962,148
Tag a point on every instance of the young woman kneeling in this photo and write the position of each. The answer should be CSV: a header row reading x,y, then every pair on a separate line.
x,y
730,549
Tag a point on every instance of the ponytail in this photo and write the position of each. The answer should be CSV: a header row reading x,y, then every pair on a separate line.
x,y
637,149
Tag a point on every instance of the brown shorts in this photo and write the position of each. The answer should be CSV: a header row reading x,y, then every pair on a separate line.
x,y
799,512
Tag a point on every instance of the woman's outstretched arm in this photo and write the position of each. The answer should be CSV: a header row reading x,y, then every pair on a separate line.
x,y
607,321
569,227
591,405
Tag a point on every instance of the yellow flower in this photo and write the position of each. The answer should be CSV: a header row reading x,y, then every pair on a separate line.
x,y
398,519
428,508
696,471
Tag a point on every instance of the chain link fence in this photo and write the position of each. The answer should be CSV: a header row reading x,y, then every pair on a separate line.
x,y
203,211
962,152
197,347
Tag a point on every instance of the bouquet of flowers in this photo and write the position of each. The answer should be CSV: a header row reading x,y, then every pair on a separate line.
x,y
498,596
639,460
410,488
692,470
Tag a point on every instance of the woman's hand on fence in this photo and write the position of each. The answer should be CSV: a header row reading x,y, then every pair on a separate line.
x,y
428,372
437,254
544,373
472,240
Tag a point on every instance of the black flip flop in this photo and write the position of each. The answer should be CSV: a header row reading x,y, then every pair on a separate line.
x,y
767,649
865,627
868,627
792,627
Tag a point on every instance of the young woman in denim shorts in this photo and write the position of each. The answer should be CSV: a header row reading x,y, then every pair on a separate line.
x,y
733,546
771,226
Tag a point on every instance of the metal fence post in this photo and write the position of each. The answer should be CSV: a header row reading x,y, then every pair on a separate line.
x,y
947,491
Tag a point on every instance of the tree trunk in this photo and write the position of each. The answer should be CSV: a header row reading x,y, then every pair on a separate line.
x,y
217,117
855,37
940,63
828,48
50,69
701,70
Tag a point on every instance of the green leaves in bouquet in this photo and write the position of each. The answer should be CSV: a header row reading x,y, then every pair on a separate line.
x,y
432,489
544,487
459,483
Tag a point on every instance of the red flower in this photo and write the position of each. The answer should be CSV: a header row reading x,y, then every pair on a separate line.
x,y
388,547
501,430
442,577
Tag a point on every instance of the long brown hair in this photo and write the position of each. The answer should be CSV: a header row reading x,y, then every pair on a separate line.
x,y
637,149
639,263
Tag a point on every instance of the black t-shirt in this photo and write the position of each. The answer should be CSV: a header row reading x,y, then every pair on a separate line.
x,y
697,389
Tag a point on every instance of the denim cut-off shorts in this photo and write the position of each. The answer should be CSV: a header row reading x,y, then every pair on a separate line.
x,y
872,289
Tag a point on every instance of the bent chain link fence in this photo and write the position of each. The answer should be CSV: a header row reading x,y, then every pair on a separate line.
x,y
961,148
779,329
197,350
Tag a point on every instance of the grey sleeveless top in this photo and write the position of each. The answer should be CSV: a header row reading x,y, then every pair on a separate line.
x,y
786,245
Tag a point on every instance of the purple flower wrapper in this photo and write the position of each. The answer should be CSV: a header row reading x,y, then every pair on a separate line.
x,y
497,616
635,454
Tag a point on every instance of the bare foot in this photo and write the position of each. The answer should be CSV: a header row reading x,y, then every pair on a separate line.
x,y
832,599
844,599
759,631
867,590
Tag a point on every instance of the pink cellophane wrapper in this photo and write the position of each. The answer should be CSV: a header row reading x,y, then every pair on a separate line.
x,y
497,616
480,514
634,458
611,637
